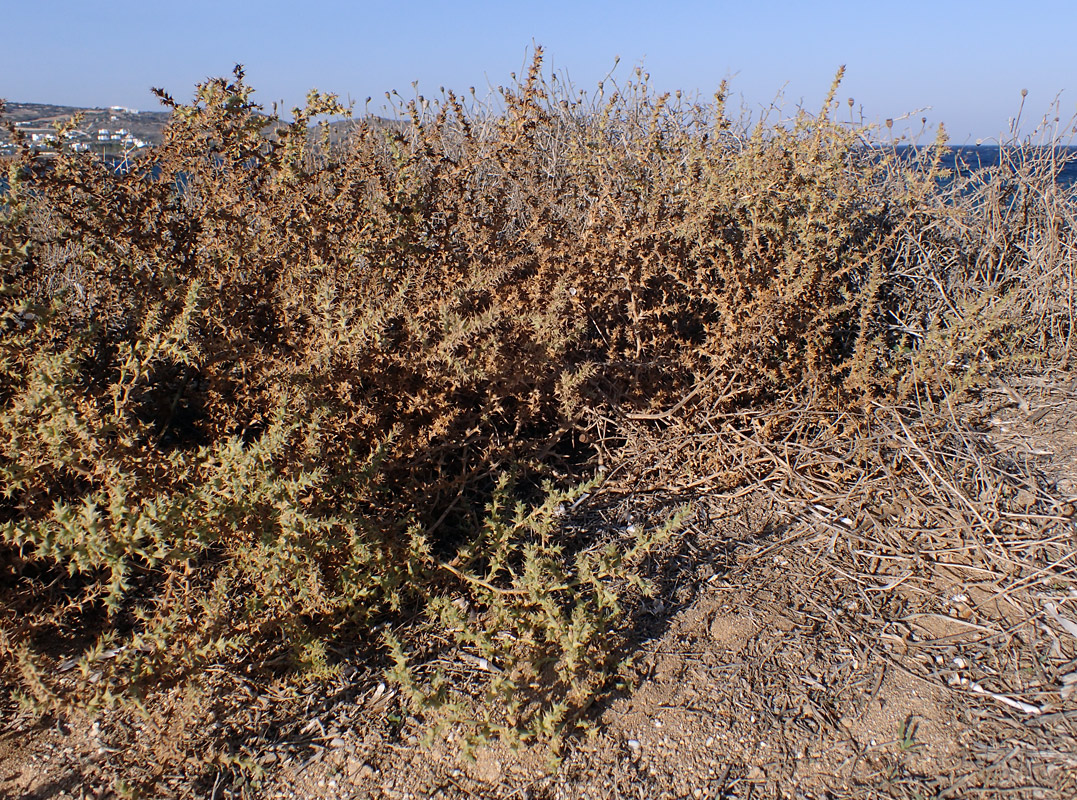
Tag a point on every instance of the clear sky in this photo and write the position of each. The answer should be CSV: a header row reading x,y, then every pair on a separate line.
x,y
966,62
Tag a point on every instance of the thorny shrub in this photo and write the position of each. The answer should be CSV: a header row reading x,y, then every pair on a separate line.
x,y
264,388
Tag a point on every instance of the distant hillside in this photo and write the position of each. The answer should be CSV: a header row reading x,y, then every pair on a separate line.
x,y
40,117
112,128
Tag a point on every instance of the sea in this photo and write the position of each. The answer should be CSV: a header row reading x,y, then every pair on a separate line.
x,y
976,157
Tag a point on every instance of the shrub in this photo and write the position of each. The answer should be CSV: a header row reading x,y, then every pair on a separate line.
x,y
263,389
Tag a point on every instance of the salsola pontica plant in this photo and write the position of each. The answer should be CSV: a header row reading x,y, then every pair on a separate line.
x,y
268,388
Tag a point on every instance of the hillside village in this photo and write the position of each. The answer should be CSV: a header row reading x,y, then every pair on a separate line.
x,y
116,130
113,131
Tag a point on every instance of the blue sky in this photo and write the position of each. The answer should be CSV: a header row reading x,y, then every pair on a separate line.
x,y
966,61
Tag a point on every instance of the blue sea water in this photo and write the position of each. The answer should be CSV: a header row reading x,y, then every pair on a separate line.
x,y
968,158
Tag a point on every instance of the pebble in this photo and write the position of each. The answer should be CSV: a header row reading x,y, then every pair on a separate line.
x,y
633,745
337,742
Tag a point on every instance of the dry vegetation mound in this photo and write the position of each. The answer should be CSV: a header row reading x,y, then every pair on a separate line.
x,y
265,400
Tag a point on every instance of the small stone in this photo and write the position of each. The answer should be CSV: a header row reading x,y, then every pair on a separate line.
x,y
633,745
337,742
756,774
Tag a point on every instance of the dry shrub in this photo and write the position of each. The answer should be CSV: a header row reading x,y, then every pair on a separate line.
x,y
262,389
